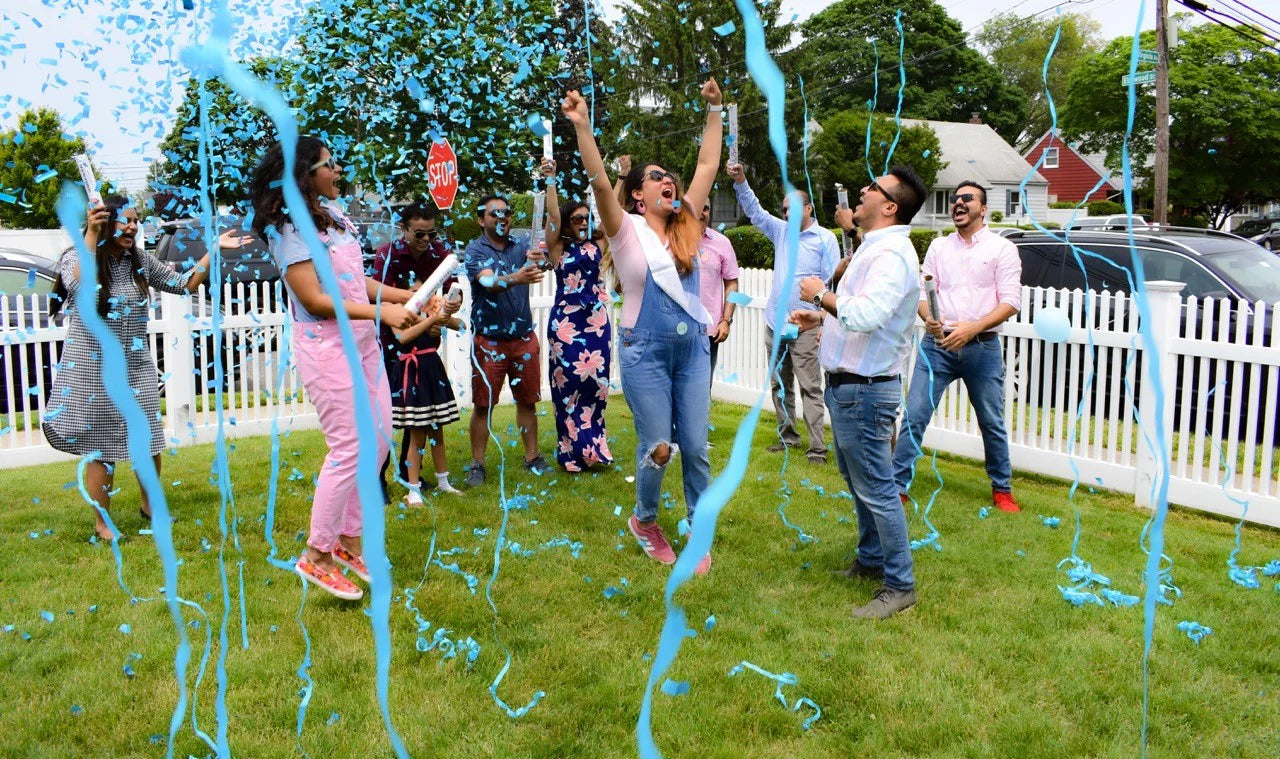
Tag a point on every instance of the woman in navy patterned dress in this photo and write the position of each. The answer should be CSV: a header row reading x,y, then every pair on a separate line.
x,y
578,334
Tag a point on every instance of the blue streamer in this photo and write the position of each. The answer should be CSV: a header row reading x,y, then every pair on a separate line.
x,y
783,489
211,59
871,106
771,82
786,678
223,747
115,380
902,85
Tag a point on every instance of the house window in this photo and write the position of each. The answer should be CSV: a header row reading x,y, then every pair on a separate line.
x,y
940,202
1050,158
1012,206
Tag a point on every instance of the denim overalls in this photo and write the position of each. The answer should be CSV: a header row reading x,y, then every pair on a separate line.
x,y
666,368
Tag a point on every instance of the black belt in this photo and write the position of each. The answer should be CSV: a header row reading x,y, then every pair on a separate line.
x,y
836,379
987,337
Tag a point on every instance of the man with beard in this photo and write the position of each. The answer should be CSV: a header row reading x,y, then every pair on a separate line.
x,y
869,318
978,275
506,346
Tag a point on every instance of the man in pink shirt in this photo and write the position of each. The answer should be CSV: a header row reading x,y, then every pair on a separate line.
x,y
718,277
979,281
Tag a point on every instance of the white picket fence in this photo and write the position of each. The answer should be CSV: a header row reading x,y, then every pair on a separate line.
x,y
1219,369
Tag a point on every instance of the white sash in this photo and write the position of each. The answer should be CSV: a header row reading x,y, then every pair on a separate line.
x,y
663,270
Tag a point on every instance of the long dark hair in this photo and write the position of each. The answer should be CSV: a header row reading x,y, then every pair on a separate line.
x,y
684,229
267,196
102,257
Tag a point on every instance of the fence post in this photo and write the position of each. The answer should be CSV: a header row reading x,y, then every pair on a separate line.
x,y
178,350
457,346
1166,314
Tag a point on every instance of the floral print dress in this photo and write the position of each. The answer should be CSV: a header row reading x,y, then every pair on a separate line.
x,y
579,337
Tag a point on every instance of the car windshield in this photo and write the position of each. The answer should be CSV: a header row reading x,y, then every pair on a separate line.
x,y
1254,227
1254,271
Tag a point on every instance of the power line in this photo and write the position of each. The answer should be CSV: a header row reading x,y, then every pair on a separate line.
x,y
1211,14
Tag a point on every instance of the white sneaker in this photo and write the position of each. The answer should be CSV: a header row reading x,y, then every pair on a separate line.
x,y
447,489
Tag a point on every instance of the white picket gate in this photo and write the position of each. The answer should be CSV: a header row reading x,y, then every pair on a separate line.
x,y
1219,364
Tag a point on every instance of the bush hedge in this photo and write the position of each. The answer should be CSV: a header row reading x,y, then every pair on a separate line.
x,y
1104,208
753,249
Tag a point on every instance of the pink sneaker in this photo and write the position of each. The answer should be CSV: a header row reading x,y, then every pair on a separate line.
x,y
652,541
704,566
331,582
351,561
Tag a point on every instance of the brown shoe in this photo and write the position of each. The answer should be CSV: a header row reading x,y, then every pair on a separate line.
x,y
886,603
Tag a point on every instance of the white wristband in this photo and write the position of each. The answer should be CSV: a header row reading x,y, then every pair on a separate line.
x,y
715,108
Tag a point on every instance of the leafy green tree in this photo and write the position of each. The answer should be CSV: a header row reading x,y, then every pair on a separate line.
x,y
380,81
1018,47
839,153
946,79
237,135
668,51
29,153
1224,140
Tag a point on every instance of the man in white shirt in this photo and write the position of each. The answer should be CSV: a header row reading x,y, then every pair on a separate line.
x,y
816,255
978,275
868,323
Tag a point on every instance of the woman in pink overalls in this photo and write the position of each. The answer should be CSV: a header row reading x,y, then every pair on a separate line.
x,y
318,350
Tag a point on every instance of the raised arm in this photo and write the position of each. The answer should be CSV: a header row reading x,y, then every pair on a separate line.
x,y
575,109
709,154
555,246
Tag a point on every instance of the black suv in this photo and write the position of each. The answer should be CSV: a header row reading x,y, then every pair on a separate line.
x,y
1212,264
1265,232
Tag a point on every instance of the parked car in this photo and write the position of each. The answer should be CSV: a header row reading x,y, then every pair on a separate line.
x,y
1212,264
27,366
1120,221
1265,232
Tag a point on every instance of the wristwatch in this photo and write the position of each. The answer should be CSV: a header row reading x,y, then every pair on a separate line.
x,y
817,299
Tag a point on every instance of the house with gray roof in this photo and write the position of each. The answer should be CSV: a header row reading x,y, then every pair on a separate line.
x,y
974,151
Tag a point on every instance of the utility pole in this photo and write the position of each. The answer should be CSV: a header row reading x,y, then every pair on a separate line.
x,y
1160,206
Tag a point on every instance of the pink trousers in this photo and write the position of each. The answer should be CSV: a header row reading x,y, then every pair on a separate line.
x,y
323,367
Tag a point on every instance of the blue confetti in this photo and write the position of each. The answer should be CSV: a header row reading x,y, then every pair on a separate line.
x,y
725,29
1194,630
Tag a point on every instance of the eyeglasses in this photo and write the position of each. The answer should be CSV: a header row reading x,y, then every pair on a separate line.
x,y
658,176
881,190
430,234
966,197
499,213
332,164
578,218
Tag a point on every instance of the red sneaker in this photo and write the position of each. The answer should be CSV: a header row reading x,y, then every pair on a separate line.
x,y
704,566
906,499
351,561
331,582
652,541
1005,502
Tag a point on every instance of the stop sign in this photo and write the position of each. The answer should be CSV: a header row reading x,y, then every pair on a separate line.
x,y
442,173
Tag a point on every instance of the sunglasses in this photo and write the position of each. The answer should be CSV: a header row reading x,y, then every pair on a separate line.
x,y
578,218
500,213
881,190
331,163
429,234
966,197
658,176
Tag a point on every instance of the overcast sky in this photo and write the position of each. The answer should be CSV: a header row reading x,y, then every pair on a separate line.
x,y
123,126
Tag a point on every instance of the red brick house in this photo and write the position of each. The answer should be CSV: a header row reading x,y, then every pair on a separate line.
x,y
1071,174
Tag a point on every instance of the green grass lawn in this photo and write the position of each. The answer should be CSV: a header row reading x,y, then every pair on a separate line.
x,y
991,663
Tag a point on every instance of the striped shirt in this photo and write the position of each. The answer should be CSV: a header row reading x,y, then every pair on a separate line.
x,y
876,302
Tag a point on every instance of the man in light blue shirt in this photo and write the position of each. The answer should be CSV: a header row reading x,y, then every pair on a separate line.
x,y
816,256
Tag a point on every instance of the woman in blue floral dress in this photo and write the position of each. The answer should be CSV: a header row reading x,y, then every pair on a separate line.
x,y
578,336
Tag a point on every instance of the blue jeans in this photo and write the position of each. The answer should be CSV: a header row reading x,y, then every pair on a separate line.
x,y
665,377
981,366
862,418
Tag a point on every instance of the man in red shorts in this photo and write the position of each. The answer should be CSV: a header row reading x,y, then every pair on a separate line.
x,y
506,347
